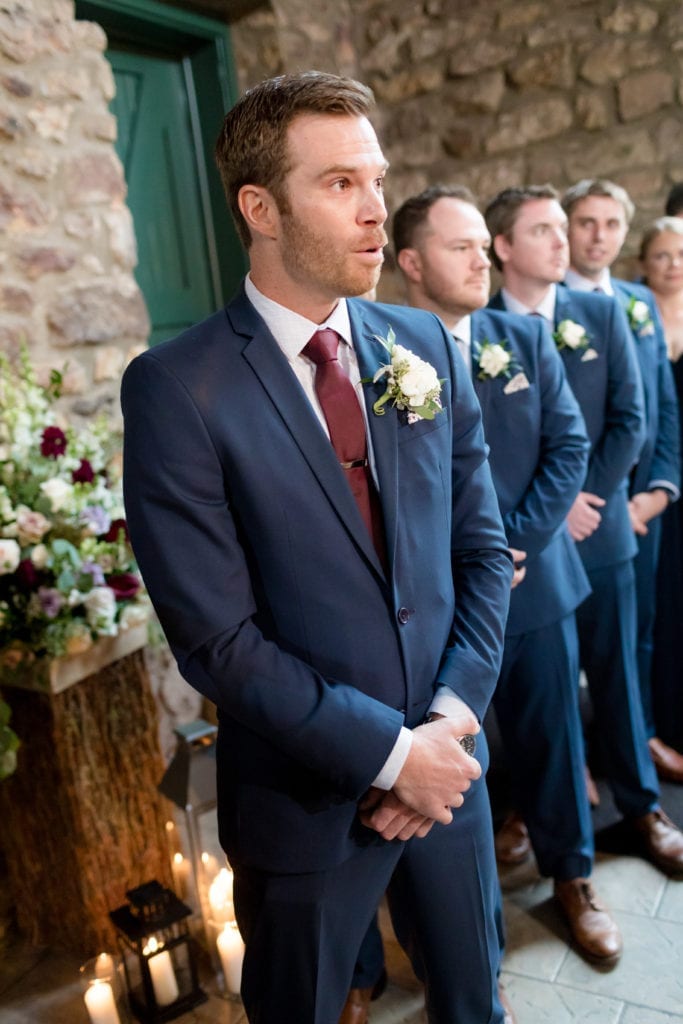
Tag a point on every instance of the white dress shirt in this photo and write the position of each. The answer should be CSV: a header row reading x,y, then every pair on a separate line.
x,y
545,308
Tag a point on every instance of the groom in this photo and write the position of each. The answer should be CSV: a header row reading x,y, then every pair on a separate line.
x,y
332,573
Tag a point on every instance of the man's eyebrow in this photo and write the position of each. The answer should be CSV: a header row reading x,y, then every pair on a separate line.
x,y
349,169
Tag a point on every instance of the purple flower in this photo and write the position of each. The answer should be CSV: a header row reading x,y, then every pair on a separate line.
x,y
94,570
96,520
51,601
85,474
53,442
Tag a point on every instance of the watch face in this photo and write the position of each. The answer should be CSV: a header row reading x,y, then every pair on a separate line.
x,y
468,744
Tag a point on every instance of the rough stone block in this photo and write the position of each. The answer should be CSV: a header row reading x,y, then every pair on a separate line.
x,y
630,17
16,299
608,61
530,123
108,363
21,209
51,121
93,177
44,259
98,311
36,162
482,92
16,85
520,15
644,93
477,56
609,154
592,110
553,67
406,84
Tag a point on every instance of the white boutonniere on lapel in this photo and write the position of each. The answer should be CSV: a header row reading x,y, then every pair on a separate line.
x,y
640,321
413,386
494,359
569,334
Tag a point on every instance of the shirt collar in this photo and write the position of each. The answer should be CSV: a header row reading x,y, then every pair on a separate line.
x,y
462,330
546,307
583,284
291,330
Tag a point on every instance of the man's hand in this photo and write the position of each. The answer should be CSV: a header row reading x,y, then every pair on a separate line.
x,y
584,518
520,570
405,822
645,506
436,773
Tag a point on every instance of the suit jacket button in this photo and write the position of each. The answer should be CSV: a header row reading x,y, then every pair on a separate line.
x,y
404,614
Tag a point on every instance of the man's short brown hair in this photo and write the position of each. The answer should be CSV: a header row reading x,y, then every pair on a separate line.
x,y
252,146
411,216
598,187
501,213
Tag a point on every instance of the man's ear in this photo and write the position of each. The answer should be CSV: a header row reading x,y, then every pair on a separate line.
x,y
411,264
259,210
502,248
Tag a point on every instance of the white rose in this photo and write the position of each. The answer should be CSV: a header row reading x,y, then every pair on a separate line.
x,y
58,491
640,311
100,610
40,556
572,334
133,615
31,526
494,360
418,381
10,556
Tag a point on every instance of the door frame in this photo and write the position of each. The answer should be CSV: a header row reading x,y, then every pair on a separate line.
x,y
203,47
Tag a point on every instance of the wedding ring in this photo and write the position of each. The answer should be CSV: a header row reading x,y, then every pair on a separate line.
x,y
468,743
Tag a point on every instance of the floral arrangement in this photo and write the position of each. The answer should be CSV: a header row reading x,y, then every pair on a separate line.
x,y
569,334
412,384
67,573
493,359
638,313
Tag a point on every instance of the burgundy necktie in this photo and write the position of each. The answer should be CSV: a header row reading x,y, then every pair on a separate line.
x,y
346,425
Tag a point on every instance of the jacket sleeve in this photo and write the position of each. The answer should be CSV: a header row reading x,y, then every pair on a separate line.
x,y
666,461
623,433
563,457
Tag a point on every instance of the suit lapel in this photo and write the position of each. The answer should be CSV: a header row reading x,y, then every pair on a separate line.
x,y
371,355
275,375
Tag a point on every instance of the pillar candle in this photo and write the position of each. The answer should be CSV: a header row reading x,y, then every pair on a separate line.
x,y
220,896
231,950
163,978
99,1001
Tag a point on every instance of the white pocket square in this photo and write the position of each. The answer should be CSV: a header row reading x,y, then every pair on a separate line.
x,y
516,383
589,354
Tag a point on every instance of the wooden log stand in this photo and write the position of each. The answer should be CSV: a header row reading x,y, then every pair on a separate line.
x,y
81,820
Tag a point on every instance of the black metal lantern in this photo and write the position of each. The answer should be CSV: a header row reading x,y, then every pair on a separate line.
x,y
158,955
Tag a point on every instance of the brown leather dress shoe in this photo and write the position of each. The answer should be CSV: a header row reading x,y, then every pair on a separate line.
x,y
356,1006
590,922
512,842
509,1017
667,761
662,841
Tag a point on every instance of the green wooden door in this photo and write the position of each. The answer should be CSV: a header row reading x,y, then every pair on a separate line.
x,y
164,173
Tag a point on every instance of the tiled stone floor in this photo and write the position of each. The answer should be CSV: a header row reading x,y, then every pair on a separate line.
x,y
547,981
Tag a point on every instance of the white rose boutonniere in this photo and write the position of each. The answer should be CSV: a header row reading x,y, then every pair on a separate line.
x,y
412,384
638,313
494,359
569,334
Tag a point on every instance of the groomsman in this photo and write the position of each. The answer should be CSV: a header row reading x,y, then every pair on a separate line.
x,y
599,213
530,247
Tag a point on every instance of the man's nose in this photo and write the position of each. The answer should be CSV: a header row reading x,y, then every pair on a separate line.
x,y
373,209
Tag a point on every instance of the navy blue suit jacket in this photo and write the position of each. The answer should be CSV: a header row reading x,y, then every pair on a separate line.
x,y
267,584
609,392
659,458
538,457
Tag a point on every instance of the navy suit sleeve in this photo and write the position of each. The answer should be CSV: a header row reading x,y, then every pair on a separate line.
x,y
563,456
188,546
624,426
666,461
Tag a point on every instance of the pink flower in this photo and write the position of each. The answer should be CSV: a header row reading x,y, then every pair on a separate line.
x,y
124,584
53,443
85,474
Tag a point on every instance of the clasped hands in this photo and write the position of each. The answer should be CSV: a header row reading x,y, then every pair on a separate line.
x,y
436,774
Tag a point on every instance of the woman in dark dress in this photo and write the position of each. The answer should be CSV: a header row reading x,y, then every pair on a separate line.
x,y
661,254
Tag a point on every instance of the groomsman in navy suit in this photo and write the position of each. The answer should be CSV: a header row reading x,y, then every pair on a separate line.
x,y
530,247
599,213
318,530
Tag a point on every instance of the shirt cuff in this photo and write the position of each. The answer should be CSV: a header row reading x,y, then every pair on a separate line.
x,y
665,485
394,763
447,703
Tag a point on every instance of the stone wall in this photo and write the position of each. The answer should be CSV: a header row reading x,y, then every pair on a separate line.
x,y
67,247
499,94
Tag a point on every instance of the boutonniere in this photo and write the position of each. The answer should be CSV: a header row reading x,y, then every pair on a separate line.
x,y
412,384
569,334
493,359
638,313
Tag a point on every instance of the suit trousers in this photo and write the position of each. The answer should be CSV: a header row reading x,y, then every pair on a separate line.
x,y
607,623
537,708
303,932
645,566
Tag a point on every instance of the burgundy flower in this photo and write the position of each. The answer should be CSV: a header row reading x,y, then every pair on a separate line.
x,y
85,474
53,443
112,534
27,574
124,584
